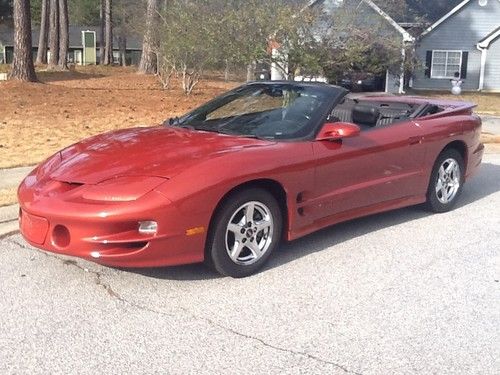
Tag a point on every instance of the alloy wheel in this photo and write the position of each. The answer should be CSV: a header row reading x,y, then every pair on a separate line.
x,y
249,233
448,181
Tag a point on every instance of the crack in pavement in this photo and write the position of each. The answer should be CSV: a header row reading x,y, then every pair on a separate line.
x,y
107,287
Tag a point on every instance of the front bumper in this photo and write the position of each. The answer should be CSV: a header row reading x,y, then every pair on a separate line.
x,y
108,233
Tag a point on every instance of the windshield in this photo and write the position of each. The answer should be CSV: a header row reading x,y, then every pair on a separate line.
x,y
270,111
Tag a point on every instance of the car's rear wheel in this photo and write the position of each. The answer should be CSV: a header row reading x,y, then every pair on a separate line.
x,y
244,233
446,181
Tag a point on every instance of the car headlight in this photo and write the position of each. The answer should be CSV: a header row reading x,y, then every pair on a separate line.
x,y
122,189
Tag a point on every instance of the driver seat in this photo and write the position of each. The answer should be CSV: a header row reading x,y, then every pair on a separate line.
x,y
365,115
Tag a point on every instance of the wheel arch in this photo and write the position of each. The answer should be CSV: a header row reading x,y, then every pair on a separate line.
x,y
272,186
459,146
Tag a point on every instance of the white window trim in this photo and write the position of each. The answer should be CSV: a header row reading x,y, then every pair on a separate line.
x,y
446,62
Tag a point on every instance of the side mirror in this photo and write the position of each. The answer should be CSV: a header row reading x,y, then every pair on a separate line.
x,y
338,130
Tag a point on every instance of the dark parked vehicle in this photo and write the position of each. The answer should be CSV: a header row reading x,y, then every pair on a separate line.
x,y
358,82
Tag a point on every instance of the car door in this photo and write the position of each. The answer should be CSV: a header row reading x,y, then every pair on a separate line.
x,y
379,165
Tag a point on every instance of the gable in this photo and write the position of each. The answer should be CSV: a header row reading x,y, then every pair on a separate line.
x,y
467,20
369,12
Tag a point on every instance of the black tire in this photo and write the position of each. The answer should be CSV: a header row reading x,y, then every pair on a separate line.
x,y
435,198
221,238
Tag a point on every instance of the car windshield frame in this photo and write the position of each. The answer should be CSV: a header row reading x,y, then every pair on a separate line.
x,y
319,100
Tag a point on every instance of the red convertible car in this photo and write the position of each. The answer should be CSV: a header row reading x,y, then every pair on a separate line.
x,y
265,162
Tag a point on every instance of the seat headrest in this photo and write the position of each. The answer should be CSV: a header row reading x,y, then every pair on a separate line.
x,y
365,114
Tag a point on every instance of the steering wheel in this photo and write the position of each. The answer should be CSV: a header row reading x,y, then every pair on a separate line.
x,y
278,128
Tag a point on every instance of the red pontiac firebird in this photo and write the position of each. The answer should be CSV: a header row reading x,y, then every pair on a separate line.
x,y
265,162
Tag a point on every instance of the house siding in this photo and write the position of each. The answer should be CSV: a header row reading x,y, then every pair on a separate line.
x,y
462,31
492,69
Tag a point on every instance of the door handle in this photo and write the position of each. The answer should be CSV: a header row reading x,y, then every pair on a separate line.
x,y
415,140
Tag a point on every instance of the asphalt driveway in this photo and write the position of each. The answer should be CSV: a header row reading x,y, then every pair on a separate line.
x,y
401,292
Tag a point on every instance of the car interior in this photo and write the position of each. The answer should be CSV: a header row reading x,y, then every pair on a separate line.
x,y
374,114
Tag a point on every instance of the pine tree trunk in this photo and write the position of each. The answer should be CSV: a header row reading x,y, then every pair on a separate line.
x,y
101,31
63,34
122,45
41,56
251,72
54,34
108,33
226,70
22,66
148,64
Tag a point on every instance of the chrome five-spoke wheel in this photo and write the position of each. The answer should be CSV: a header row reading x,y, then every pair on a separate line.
x,y
244,232
448,181
249,233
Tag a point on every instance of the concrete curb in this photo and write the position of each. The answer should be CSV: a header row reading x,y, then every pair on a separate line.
x,y
11,177
8,229
491,124
8,220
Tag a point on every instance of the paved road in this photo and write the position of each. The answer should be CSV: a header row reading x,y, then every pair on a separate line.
x,y
402,292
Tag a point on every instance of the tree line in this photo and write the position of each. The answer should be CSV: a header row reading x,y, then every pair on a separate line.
x,y
295,38
53,18
185,38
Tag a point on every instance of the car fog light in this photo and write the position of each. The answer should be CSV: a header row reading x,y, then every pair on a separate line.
x,y
148,227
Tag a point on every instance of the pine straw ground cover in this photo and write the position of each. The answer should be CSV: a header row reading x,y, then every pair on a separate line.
x,y
37,119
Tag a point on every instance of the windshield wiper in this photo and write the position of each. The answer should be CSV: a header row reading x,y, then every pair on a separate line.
x,y
254,136
201,128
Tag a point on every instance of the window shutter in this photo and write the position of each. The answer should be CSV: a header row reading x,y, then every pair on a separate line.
x,y
428,64
465,60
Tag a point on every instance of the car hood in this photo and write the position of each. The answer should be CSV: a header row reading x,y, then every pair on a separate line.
x,y
157,151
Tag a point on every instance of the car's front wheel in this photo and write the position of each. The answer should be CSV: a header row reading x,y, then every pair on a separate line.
x,y
446,182
244,233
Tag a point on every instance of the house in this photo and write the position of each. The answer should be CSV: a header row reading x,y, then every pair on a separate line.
x,y
83,49
465,40
368,12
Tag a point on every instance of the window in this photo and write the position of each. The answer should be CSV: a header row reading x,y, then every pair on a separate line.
x,y
272,111
247,105
446,63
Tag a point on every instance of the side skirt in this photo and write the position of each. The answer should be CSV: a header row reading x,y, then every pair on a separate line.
x,y
354,214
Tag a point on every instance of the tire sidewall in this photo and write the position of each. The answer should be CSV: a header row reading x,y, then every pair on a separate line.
x,y
216,247
432,200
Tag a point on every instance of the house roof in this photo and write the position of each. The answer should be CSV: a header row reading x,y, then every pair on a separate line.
x,y
75,37
446,16
407,37
488,39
